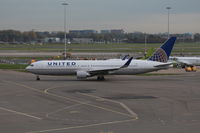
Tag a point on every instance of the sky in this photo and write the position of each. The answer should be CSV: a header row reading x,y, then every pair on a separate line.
x,y
149,16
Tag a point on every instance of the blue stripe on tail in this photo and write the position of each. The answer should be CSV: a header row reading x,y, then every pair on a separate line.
x,y
162,54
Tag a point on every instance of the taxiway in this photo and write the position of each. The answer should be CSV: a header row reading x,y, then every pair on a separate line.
x,y
121,104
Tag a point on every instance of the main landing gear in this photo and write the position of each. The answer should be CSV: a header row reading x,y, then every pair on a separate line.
x,y
100,78
37,78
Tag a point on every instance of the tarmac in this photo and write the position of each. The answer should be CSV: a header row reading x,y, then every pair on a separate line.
x,y
161,103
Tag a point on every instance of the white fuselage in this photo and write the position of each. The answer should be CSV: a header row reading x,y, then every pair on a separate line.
x,y
71,67
193,61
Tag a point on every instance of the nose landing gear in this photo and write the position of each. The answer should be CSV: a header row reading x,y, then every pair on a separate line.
x,y
37,78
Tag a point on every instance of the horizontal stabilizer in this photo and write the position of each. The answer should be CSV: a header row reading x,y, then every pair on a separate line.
x,y
164,65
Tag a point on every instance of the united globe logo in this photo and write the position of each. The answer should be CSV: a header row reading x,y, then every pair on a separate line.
x,y
160,56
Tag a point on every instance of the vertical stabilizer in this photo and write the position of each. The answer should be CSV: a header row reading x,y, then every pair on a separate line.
x,y
162,54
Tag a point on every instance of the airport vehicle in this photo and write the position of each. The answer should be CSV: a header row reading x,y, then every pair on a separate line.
x,y
189,63
89,68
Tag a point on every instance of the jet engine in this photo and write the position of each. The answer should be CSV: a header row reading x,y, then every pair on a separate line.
x,y
82,75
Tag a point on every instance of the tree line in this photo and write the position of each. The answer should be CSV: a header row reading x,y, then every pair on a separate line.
x,y
138,37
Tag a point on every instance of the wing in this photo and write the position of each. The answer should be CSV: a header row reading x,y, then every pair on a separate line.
x,y
182,61
185,62
106,71
164,65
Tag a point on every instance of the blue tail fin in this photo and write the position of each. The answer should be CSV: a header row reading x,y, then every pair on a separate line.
x,y
162,54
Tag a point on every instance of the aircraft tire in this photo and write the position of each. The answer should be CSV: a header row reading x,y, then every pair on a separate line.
x,y
100,78
37,78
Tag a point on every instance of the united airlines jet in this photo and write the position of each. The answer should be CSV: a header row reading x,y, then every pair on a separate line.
x,y
89,68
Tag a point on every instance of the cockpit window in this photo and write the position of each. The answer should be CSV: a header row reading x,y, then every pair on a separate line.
x,y
32,65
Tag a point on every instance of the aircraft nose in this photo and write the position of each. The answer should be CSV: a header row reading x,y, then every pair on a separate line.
x,y
28,68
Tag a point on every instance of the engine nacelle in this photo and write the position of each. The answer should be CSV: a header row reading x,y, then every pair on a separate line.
x,y
82,75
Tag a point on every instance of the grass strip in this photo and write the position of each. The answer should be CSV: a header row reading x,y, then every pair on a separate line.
x,y
13,66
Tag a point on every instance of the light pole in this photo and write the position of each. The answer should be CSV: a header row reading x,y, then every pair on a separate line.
x,y
168,8
65,5
145,46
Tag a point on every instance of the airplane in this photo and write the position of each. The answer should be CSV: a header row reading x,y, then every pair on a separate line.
x,y
84,69
189,63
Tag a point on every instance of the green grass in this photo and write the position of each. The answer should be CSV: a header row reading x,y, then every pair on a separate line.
x,y
55,47
123,47
27,58
13,66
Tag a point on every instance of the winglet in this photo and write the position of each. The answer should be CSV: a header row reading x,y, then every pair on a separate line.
x,y
162,54
125,57
127,63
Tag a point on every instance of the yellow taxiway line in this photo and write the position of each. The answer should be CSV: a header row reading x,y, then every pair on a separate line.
x,y
84,126
120,103
77,101
20,113
83,103
66,98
